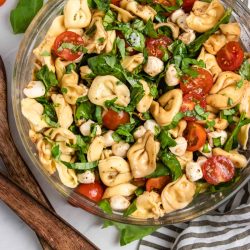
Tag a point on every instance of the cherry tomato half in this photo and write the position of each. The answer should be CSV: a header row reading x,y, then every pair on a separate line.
x,y
188,5
195,135
230,56
116,2
2,2
93,191
157,46
189,102
69,51
157,183
218,169
200,84
112,119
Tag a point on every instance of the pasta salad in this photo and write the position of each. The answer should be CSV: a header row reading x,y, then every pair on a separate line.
x,y
141,105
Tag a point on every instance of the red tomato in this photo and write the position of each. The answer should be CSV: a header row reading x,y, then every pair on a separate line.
x,y
93,191
157,183
157,46
112,119
2,2
188,5
195,135
218,169
230,57
200,84
116,2
69,38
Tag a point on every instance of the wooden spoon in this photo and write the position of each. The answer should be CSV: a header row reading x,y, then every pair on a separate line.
x,y
21,175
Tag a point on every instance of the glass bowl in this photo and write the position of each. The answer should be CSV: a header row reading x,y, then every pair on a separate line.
x,y
22,73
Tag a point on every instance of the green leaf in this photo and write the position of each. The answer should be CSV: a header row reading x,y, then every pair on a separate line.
x,y
98,114
138,25
81,165
165,139
121,46
132,208
105,206
175,121
172,163
64,90
139,191
233,137
47,76
135,39
217,141
55,152
102,4
109,18
129,233
85,111
153,90
71,67
240,83
161,170
205,148
244,70
149,29
194,46
22,15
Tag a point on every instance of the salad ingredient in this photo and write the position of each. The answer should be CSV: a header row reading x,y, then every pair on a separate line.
x,y
171,76
139,132
193,171
217,138
157,47
86,177
124,189
180,147
68,46
120,149
93,191
95,149
200,84
152,126
108,138
195,135
34,89
119,203
187,5
85,128
230,57
218,169
157,182
112,119
154,66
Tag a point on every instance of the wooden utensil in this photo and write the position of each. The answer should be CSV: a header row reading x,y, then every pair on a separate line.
x,y
20,174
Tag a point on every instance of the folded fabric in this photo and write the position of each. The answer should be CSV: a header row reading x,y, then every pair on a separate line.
x,y
226,228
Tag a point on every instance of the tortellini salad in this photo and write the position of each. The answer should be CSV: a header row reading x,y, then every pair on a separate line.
x,y
146,104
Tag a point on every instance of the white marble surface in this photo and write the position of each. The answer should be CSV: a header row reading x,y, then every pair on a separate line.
x,y
14,234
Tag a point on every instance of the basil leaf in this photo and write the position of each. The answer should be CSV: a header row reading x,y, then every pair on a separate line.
x,y
132,208
244,70
166,140
105,206
139,191
149,29
161,170
194,46
71,67
47,76
22,15
240,83
85,111
55,152
135,39
102,4
138,25
175,121
233,137
121,46
129,233
217,141
81,165
98,114
109,18
172,163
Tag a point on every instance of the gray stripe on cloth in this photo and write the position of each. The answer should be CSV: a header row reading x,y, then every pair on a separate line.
x,y
152,245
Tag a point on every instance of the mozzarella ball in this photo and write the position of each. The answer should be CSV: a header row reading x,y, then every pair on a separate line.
x,y
154,66
187,37
34,89
139,132
119,203
171,76
120,149
193,171
86,177
217,134
181,146
152,126
176,14
85,128
108,139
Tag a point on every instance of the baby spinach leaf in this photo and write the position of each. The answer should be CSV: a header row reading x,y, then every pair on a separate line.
x,y
109,18
244,70
194,46
165,139
22,15
149,29
55,152
121,46
175,121
138,25
47,76
98,114
135,39
172,163
129,233
81,165
105,206
132,208
160,170
102,4
85,110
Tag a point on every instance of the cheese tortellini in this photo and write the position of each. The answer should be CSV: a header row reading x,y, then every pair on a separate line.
x,y
123,15
131,63
142,155
178,194
108,87
145,103
205,15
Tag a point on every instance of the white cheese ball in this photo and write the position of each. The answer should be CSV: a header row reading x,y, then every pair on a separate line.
x,y
154,66
120,149
34,89
193,171
108,139
176,14
217,134
181,146
151,125
139,132
85,128
119,203
86,177
171,76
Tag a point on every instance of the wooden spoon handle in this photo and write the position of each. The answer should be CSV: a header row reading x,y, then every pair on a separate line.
x,y
44,222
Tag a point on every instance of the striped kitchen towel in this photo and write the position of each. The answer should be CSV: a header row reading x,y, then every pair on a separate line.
x,y
226,228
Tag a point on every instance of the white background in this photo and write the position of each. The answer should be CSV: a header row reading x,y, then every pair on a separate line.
x,y
14,234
